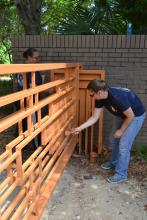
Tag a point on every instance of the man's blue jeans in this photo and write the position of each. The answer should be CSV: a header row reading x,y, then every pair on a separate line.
x,y
120,154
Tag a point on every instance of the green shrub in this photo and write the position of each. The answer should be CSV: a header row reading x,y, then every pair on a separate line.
x,y
6,87
142,152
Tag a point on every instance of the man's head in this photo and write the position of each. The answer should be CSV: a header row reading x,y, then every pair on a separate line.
x,y
98,89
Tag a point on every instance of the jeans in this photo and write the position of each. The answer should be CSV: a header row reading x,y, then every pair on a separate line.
x,y
120,154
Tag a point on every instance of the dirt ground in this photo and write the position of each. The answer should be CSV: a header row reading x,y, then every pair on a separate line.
x,y
84,194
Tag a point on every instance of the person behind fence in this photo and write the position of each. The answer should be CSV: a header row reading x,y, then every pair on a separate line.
x,y
130,115
31,56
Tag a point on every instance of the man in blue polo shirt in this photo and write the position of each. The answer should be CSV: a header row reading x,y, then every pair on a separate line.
x,y
130,115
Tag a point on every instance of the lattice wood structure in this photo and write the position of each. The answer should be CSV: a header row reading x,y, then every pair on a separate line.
x,y
34,179
86,106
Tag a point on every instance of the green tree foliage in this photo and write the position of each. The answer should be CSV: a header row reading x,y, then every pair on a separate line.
x,y
105,18
43,16
74,16
68,17
55,12
94,17
134,11
9,25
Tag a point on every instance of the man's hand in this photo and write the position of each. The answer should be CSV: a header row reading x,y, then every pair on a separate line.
x,y
76,130
129,118
118,133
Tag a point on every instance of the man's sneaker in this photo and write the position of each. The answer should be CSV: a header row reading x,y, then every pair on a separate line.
x,y
106,166
116,179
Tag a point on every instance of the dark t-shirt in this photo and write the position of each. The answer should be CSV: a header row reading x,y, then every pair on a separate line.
x,y
38,80
119,100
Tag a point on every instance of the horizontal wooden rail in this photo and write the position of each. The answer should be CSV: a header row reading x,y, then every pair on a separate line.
x,y
28,92
11,119
22,68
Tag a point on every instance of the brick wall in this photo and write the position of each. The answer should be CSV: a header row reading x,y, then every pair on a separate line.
x,y
124,58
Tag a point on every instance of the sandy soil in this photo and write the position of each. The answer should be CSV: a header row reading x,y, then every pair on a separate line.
x,y
83,193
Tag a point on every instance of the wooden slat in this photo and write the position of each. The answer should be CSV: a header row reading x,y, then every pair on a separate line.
x,y
22,68
5,100
54,177
11,119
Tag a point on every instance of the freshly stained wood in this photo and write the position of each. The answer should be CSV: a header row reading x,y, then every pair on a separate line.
x,y
86,107
68,105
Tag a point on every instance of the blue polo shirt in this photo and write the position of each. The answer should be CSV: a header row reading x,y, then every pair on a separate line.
x,y
119,100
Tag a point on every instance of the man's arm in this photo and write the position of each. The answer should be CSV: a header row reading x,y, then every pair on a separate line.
x,y
129,118
92,120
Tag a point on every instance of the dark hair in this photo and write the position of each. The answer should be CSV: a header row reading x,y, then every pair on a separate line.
x,y
29,52
97,85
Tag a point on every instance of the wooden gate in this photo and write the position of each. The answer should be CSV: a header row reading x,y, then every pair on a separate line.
x,y
88,141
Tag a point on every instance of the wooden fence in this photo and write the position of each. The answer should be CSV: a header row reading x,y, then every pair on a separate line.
x,y
35,178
